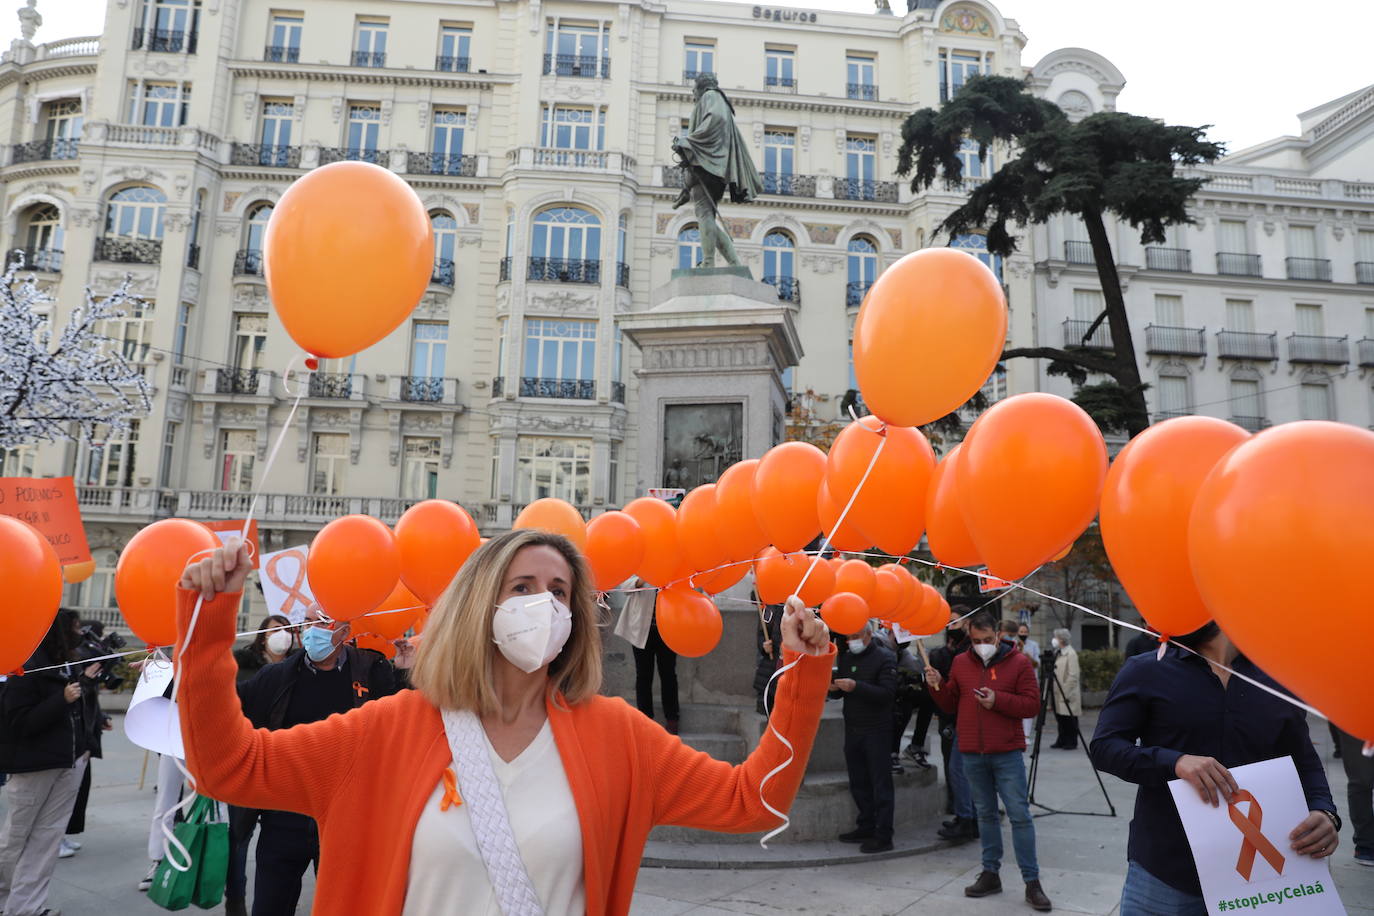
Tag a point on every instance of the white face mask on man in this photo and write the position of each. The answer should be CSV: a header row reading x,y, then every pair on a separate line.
x,y
986,651
530,630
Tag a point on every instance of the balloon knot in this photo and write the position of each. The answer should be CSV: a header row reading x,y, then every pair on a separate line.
x,y
1368,749
312,364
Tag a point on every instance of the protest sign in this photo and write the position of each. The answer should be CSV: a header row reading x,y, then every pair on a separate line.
x,y
284,584
1244,858
48,504
151,722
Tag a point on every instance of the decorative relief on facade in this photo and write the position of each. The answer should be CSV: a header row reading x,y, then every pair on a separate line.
x,y
336,107
1020,268
386,112
231,198
226,227
298,108
739,227
965,21
804,136
176,408
661,222
177,221
250,297
180,182
562,302
661,249
686,356
474,212
88,178
190,285
83,218
432,305
250,105
141,282
561,423
822,263
896,236
136,173
823,233
1075,104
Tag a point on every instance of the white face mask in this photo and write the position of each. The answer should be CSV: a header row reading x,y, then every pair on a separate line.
x,y
857,646
278,642
985,651
1055,642
530,630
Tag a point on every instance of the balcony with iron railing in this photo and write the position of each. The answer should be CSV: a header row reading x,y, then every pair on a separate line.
x,y
788,185
1179,260
281,54
330,154
248,263
553,157
564,270
443,274
369,59
44,150
236,381
1237,264
169,40
622,275
789,288
503,274
1166,341
1364,272
576,389
1318,269
441,164
118,250
866,189
1247,345
265,154
1319,349
583,66
617,392
279,508
42,260
1251,424
421,389
854,292
341,386
1364,350
780,83
1076,328
448,63
1076,252
867,92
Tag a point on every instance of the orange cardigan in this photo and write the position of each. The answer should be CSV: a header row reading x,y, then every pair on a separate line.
x,y
365,776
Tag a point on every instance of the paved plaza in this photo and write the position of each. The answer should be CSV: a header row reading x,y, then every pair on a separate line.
x,y
1082,858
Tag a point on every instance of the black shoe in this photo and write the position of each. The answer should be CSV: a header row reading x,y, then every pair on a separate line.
x,y
1035,896
963,830
856,836
952,822
921,760
876,845
987,883
897,766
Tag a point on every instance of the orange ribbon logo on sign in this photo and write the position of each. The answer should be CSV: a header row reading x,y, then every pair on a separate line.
x,y
293,593
1254,840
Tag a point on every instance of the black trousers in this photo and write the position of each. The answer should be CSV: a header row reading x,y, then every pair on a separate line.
x,y
1359,774
288,843
242,823
77,822
656,651
1068,731
868,759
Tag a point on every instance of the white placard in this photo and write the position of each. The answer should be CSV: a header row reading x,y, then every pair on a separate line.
x,y
1243,855
285,587
151,721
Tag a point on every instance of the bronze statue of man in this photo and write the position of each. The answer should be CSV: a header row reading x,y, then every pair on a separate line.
x,y
716,159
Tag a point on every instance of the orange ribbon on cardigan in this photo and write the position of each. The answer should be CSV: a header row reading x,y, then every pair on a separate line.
x,y
450,796
1254,840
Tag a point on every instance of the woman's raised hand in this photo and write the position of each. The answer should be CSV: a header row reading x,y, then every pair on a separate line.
x,y
223,571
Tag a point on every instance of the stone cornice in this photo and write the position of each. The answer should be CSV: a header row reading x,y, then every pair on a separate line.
x,y
47,69
381,76
746,98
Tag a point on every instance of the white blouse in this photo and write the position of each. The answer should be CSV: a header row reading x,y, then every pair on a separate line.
x,y
447,874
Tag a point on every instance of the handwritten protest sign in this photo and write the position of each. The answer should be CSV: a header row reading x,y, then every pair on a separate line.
x,y
284,583
1244,858
48,504
234,528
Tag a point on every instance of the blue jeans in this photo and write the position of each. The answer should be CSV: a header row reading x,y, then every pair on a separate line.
x,y
958,784
1146,895
991,775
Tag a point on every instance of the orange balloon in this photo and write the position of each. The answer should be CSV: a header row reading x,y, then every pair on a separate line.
x,y
435,537
890,509
909,603
149,568
615,548
1030,477
847,536
32,576
376,644
78,572
740,530
845,613
819,586
713,583
1301,490
557,516
934,613
688,621
887,593
775,579
947,532
393,616
698,530
785,487
928,335
856,577
1146,502
348,253
352,566
658,521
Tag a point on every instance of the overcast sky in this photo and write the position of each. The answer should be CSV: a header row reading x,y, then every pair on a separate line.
x,y
1246,66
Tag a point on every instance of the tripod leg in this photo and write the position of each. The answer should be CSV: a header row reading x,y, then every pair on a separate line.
x,y
1058,688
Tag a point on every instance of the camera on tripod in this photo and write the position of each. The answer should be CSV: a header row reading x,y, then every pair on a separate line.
x,y
95,642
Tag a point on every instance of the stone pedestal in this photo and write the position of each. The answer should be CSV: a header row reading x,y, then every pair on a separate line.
x,y
711,337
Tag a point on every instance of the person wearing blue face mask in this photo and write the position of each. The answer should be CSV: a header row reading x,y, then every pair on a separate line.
x,y
325,676
867,680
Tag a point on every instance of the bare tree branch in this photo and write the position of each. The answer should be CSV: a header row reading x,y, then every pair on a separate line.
x,y
1085,358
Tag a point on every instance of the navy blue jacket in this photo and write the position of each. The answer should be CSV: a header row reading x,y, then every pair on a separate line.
x,y
1175,706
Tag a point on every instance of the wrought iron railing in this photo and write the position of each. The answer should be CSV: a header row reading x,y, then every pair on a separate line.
x,y
868,92
622,274
1237,264
236,381
1175,259
282,54
443,272
331,385
1364,272
421,388
1309,269
578,389
498,386
193,256
330,154
1076,252
586,66
44,150
786,83
1076,328
450,64
866,189
564,270
128,251
282,157
1175,341
441,164
248,262
559,158
1251,424
1314,348
1364,349
48,260
505,269
854,292
789,185
172,40
617,392
1247,345
369,58
789,288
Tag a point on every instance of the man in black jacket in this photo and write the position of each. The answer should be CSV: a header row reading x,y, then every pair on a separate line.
x,y
327,676
866,677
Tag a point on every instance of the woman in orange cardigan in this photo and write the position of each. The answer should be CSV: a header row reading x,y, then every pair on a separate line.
x,y
560,786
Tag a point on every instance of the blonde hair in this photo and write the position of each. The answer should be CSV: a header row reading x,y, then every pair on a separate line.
x,y
453,665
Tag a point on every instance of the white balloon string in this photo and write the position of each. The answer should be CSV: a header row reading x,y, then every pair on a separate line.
x,y
825,544
791,755
301,389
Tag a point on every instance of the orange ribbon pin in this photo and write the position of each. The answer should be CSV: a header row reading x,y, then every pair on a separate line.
x,y
450,796
1249,826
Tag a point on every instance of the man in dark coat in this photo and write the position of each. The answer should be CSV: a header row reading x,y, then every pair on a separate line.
x,y
866,677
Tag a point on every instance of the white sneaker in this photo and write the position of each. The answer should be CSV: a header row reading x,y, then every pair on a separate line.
x,y
147,880
74,844
66,850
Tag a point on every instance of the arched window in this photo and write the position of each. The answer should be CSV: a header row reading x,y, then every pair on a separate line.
x,y
863,270
779,256
445,242
135,213
976,244
43,239
688,247
566,246
248,261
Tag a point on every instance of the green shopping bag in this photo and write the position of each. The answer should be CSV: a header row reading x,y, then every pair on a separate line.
x,y
213,868
174,889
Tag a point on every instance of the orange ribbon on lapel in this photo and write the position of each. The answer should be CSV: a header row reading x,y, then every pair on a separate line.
x,y
1254,840
450,796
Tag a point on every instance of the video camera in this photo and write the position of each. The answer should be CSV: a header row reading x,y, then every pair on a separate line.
x,y
95,642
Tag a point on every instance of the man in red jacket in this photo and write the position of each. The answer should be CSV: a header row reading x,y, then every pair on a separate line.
x,y
992,687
